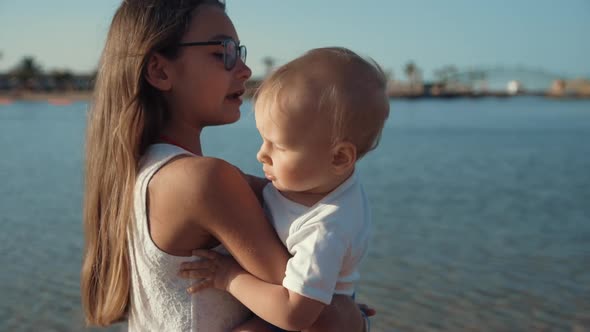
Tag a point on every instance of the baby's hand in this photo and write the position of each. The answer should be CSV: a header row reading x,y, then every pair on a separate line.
x,y
212,270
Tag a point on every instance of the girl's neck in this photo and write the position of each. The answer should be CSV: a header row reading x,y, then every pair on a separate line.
x,y
185,137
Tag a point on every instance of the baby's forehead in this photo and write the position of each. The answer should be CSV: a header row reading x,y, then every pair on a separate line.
x,y
291,104
291,101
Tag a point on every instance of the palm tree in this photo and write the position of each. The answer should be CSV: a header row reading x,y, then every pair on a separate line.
x,y
411,72
269,63
414,74
27,70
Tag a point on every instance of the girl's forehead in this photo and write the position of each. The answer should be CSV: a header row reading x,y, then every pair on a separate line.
x,y
210,23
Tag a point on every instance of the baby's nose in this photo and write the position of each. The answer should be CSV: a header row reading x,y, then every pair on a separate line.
x,y
263,157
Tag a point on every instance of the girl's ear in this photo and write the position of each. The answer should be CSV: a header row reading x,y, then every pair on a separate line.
x,y
343,157
157,72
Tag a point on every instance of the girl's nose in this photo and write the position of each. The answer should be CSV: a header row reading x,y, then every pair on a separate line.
x,y
243,71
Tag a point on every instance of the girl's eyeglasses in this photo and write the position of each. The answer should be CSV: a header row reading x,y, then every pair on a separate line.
x,y
231,51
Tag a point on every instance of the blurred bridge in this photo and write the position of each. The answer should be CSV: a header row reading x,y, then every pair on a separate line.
x,y
499,78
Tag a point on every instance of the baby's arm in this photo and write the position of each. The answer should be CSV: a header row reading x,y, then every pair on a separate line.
x,y
342,315
273,303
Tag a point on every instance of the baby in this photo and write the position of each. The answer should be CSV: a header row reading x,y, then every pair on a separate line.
x,y
317,116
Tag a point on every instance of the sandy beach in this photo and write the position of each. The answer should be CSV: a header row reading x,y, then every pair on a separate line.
x,y
50,97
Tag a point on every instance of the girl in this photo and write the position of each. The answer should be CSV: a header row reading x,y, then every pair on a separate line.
x,y
170,68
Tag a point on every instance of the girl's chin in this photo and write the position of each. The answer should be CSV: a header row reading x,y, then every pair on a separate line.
x,y
223,120
230,114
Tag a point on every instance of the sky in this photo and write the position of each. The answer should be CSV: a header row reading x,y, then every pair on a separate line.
x,y
539,34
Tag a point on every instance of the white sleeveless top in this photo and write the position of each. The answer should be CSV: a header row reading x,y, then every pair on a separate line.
x,y
159,301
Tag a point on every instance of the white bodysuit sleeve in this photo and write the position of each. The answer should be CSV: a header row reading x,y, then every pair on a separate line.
x,y
314,269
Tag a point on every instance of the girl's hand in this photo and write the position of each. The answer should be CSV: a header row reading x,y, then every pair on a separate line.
x,y
367,310
212,270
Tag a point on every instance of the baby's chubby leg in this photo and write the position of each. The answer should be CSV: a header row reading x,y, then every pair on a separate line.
x,y
255,324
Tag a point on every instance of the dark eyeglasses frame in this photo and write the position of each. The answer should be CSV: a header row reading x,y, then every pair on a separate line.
x,y
241,51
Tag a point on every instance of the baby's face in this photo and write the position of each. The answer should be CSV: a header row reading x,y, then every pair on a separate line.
x,y
296,150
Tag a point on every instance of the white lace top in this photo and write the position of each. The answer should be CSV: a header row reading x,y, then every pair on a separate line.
x,y
159,301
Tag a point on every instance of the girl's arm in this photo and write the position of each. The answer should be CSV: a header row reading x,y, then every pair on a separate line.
x,y
225,206
233,215
256,183
193,201
273,303
211,194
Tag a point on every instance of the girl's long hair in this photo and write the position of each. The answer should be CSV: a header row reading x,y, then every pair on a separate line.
x,y
126,116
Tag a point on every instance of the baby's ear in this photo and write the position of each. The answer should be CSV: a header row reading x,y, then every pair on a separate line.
x,y
343,157
156,72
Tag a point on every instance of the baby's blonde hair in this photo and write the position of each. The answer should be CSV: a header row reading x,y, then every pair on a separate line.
x,y
348,88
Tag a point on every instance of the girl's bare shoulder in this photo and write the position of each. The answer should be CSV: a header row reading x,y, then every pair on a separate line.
x,y
197,178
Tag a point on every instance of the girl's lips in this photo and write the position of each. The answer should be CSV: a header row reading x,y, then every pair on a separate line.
x,y
235,97
234,100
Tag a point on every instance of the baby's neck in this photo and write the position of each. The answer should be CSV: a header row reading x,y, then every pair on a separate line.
x,y
304,198
311,198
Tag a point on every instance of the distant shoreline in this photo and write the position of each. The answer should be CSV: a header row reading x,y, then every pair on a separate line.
x,y
56,97
68,97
